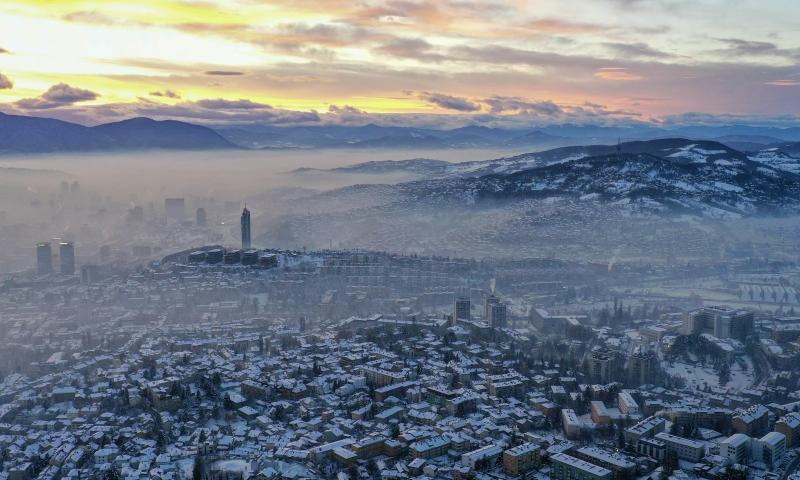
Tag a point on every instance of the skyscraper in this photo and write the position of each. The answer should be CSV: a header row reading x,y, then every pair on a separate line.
x,y
461,310
245,220
44,258
66,252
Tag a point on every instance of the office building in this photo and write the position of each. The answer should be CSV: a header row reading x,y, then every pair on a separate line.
x,y
461,310
44,258
66,253
721,322
496,314
245,222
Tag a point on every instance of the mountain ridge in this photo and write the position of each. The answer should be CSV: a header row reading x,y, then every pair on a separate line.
x,y
24,134
660,176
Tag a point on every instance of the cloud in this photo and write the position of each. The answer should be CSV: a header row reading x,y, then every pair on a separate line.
x,y
413,48
737,47
522,105
783,83
637,50
218,111
224,73
563,27
349,115
222,104
749,47
5,82
450,102
58,95
346,110
63,93
90,16
165,93
617,74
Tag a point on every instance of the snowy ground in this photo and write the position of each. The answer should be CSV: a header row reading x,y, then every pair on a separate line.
x,y
698,376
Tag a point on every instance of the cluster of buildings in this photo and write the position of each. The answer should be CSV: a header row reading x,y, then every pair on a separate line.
x,y
363,365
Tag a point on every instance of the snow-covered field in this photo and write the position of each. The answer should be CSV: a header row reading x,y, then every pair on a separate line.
x,y
700,377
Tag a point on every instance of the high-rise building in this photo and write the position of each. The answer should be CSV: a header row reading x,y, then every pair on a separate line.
x,y
494,311
201,217
604,365
721,322
44,258
245,221
487,304
461,310
66,253
641,368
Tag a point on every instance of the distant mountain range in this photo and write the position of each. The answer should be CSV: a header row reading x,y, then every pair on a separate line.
x,y
21,134
374,136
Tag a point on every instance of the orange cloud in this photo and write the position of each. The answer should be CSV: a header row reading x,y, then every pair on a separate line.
x,y
784,83
617,74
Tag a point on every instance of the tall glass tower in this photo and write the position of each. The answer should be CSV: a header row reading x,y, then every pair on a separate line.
x,y
66,251
44,258
245,228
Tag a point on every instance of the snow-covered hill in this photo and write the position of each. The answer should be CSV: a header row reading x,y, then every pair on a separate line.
x,y
658,176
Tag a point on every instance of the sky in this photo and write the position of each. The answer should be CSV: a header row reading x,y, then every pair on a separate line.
x,y
436,63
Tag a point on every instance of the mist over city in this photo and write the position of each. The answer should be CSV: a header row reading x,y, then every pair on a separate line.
x,y
379,240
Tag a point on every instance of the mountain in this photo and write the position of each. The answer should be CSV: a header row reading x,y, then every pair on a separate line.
x,y
377,136
657,176
22,134
792,149
422,166
747,143
778,158
402,140
146,133
791,134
